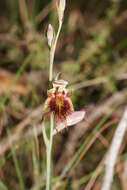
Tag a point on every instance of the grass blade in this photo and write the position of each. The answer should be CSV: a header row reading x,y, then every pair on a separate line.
x,y
3,186
18,171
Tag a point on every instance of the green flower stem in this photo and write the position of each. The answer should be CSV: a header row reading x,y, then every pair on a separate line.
x,y
52,53
49,142
49,147
49,151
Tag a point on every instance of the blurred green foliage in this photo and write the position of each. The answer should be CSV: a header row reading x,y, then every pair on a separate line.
x,y
92,46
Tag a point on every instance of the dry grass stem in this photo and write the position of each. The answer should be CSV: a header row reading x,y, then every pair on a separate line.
x,y
113,152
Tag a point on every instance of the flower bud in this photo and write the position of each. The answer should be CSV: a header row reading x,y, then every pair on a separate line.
x,y
60,9
62,5
50,35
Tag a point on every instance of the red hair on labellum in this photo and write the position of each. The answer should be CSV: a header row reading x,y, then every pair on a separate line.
x,y
59,101
60,104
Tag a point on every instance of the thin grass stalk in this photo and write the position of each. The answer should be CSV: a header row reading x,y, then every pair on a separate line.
x,y
113,152
74,161
36,166
35,154
16,163
18,74
3,186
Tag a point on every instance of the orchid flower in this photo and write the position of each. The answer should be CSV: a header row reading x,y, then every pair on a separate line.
x,y
59,103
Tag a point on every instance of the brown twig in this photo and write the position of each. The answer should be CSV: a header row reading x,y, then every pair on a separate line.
x,y
98,81
23,13
43,13
11,39
94,138
81,128
93,178
29,32
17,133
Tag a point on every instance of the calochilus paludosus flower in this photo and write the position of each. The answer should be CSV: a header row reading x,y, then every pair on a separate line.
x,y
59,103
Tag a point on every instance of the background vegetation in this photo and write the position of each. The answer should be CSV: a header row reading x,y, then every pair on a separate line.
x,y
92,55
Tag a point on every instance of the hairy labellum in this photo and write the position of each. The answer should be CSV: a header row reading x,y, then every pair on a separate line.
x,y
59,101
60,104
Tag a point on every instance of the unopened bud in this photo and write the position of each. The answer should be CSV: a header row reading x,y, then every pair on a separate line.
x,y
60,8
62,5
50,35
